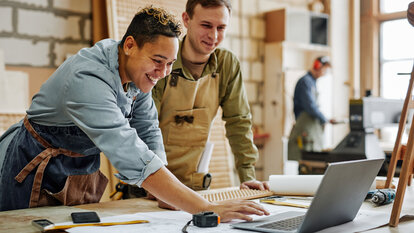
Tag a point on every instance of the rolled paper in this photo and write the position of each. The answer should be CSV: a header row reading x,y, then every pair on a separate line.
x,y
305,185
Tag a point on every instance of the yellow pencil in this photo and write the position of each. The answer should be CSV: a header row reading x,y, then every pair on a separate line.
x,y
63,227
283,203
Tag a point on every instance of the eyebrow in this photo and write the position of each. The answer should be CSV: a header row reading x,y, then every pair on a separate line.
x,y
164,57
161,56
208,22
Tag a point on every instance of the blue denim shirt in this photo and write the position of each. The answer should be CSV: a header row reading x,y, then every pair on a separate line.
x,y
305,98
86,91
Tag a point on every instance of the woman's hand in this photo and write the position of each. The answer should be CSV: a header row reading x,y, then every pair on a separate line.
x,y
237,209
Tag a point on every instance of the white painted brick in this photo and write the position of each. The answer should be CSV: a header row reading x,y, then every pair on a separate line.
x,y
235,7
234,26
46,24
235,46
88,30
245,26
257,28
80,6
62,50
250,49
14,92
249,7
22,51
245,67
226,43
2,66
257,114
251,90
269,5
6,19
38,3
257,71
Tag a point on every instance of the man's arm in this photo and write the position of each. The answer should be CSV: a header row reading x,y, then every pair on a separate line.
x,y
236,114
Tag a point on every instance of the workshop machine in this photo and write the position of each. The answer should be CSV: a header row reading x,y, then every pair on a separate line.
x,y
365,116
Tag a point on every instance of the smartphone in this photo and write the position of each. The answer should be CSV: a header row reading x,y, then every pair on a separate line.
x,y
85,217
41,223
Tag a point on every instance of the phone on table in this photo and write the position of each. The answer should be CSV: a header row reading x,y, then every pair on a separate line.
x,y
41,223
85,217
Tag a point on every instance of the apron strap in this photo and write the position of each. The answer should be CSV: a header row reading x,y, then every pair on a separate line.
x,y
38,138
40,160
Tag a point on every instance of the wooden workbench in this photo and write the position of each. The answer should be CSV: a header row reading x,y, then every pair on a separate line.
x,y
20,220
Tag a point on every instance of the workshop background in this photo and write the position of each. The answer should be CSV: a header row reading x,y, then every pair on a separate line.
x,y
36,36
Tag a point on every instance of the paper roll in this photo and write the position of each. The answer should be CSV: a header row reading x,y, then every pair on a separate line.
x,y
295,184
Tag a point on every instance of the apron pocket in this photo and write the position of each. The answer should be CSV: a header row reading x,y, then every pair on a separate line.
x,y
190,129
79,189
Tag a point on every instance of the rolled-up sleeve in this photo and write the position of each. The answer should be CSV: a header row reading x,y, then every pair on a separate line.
x,y
145,121
90,101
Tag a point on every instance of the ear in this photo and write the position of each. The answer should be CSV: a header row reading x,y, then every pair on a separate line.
x,y
129,45
186,19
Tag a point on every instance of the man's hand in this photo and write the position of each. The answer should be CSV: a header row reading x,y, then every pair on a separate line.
x,y
254,184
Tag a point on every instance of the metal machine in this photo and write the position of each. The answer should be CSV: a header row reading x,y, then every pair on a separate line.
x,y
366,115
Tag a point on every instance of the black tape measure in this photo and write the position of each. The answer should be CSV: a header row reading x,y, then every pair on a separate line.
x,y
203,219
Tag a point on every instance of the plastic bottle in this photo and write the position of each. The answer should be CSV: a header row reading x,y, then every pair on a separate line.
x,y
383,196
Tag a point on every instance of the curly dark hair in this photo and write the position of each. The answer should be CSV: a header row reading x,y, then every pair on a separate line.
x,y
151,22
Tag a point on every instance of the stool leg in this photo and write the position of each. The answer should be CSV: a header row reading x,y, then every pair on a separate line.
x,y
405,175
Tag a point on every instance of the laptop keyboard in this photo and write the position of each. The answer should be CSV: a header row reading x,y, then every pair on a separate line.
x,y
289,224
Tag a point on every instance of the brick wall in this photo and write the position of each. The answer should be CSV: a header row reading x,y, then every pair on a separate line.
x,y
245,38
41,33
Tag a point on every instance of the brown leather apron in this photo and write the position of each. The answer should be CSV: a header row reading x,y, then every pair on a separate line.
x,y
188,108
78,189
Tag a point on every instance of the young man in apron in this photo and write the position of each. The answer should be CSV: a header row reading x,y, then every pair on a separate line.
x,y
307,133
99,100
203,78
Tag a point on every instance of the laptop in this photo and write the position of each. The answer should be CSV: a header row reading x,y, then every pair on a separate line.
x,y
337,200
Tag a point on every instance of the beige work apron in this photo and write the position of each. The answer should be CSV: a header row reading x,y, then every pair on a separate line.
x,y
188,108
306,135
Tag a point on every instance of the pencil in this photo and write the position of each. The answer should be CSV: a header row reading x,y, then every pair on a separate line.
x,y
63,227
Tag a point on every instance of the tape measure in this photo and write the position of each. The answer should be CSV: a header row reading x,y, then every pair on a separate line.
x,y
203,219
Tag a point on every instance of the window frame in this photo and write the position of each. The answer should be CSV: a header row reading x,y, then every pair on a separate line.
x,y
371,19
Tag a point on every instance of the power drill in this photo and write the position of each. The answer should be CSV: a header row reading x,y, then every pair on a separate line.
x,y
383,196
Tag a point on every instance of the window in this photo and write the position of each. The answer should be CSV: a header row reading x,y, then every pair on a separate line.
x,y
390,6
396,50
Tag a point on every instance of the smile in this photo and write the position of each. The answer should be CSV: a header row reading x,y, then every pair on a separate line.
x,y
153,80
208,44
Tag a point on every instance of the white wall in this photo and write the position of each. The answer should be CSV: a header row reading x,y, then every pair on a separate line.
x,y
340,50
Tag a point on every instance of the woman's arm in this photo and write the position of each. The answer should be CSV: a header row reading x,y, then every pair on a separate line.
x,y
165,186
